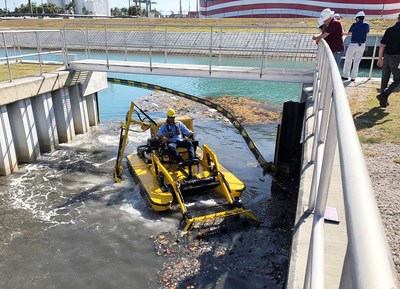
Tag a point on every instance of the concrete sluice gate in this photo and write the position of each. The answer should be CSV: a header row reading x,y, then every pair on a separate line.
x,y
38,113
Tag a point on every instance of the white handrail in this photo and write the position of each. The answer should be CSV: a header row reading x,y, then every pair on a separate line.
x,y
368,263
7,37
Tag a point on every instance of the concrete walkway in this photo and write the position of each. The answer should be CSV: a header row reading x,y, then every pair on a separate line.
x,y
334,233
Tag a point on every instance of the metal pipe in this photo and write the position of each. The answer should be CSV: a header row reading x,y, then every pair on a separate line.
x,y
211,43
39,50
373,57
105,40
150,54
8,60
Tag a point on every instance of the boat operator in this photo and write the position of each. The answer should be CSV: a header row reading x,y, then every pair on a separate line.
x,y
175,134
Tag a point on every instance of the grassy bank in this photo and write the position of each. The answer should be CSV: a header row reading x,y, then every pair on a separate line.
x,y
373,123
19,70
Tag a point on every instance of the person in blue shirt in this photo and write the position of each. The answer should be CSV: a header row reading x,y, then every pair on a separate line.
x,y
356,48
175,134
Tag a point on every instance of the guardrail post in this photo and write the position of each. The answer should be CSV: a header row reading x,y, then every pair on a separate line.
x,y
373,57
39,50
8,60
106,42
126,45
263,53
220,43
211,43
63,40
150,47
87,42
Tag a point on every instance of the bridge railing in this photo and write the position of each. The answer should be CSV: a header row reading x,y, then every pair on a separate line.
x,y
368,263
15,51
216,44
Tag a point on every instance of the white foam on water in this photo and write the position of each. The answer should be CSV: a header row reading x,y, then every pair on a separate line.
x,y
155,224
127,208
111,160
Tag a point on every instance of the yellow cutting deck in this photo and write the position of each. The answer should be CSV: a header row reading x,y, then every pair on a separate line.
x,y
162,201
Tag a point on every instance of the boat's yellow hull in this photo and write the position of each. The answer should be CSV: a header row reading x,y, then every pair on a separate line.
x,y
159,200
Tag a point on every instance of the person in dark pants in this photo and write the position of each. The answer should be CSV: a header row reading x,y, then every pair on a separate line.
x,y
174,134
390,52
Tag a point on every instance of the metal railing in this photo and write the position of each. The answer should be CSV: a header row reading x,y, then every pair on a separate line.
x,y
211,42
368,263
217,45
12,42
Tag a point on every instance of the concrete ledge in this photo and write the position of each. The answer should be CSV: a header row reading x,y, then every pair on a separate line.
x,y
22,88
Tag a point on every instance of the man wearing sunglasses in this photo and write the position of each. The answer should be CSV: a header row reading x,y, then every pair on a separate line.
x,y
175,134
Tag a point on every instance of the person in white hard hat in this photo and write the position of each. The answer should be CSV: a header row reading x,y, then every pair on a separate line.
x,y
320,24
356,48
333,34
174,134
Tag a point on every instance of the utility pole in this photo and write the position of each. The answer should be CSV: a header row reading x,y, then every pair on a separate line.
x,y
30,6
5,1
180,8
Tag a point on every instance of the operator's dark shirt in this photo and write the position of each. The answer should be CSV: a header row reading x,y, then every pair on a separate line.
x,y
335,37
391,39
359,31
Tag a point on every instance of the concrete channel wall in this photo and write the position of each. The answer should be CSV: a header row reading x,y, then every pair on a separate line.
x,y
38,113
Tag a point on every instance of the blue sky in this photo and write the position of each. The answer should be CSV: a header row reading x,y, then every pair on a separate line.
x,y
162,5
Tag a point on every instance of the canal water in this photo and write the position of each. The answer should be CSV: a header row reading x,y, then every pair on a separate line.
x,y
64,223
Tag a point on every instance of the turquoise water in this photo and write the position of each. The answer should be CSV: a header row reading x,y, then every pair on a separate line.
x,y
260,90
118,97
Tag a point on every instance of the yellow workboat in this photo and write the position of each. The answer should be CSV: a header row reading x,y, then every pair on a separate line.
x,y
166,183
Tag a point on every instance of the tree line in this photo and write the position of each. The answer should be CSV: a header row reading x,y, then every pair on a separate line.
x,y
46,8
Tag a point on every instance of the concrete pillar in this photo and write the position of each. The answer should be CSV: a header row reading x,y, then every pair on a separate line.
x,y
92,105
8,156
79,110
45,122
63,115
24,130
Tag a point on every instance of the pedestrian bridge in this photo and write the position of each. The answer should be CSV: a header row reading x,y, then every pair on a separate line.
x,y
353,254
192,70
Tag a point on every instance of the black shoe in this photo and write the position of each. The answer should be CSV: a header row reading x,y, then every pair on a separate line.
x,y
345,78
353,79
382,100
